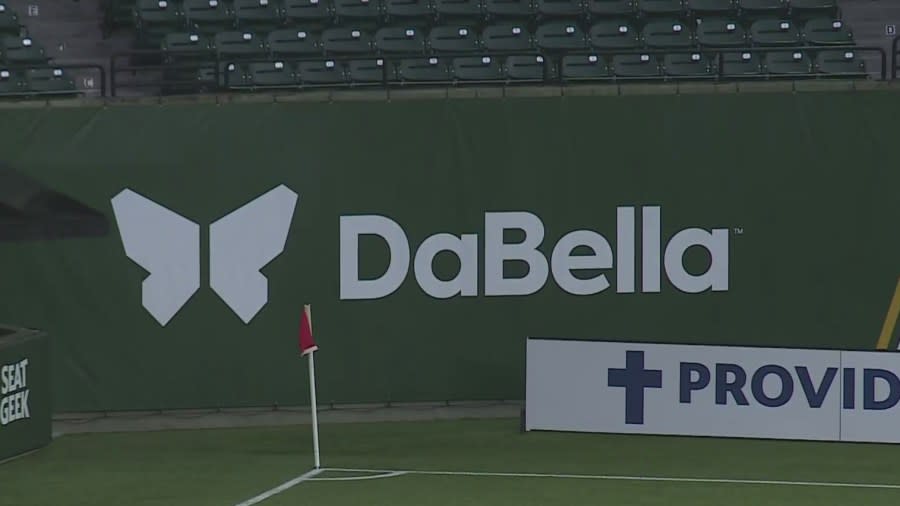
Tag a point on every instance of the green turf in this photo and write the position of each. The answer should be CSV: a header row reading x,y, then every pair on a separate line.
x,y
224,467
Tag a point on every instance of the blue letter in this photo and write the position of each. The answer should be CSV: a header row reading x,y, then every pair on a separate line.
x,y
869,376
687,385
787,386
849,388
813,397
723,386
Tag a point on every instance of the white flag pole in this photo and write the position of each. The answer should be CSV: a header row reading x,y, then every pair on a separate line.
x,y
312,400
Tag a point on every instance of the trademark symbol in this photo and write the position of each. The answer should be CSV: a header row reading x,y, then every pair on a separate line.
x,y
738,230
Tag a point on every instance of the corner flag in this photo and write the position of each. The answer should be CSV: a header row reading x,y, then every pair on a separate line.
x,y
308,348
307,343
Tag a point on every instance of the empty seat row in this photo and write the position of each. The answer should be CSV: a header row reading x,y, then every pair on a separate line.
x,y
9,21
35,81
15,50
536,68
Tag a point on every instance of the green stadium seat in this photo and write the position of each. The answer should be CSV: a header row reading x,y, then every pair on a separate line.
x,y
774,32
418,12
477,68
611,8
373,70
803,9
182,47
208,16
272,74
346,40
239,45
792,63
723,8
518,9
507,37
616,35
259,15
827,31
763,7
742,64
308,13
840,63
49,81
459,10
400,40
693,65
155,18
9,21
453,39
432,69
11,82
668,34
718,32
231,76
559,8
585,67
321,72
635,66
534,68
672,8
17,50
292,43
357,11
560,35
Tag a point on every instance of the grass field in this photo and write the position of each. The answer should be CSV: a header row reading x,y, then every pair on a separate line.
x,y
230,466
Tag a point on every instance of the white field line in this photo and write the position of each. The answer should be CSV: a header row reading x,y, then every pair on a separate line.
x,y
360,478
281,488
612,477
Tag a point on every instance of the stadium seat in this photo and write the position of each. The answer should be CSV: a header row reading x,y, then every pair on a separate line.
x,y
180,47
616,35
409,12
453,39
432,69
231,75
668,34
635,66
774,32
519,9
155,18
49,81
346,40
292,43
605,8
559,8
22,51
308,13
373,70
9,21
239,45
803,9
357,11
585,67
693,65
717,32
672,8
725,8
467,11
272,74
534,68
791,63
477,68
208,16
763,7
827,31
11,82
742,64
560,35
321,72
507,37
400,40
259,15
840,63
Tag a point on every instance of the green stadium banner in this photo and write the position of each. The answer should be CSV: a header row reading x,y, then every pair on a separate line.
x,y
25,400
431,237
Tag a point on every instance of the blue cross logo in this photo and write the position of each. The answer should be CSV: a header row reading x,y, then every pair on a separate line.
x,y
634,378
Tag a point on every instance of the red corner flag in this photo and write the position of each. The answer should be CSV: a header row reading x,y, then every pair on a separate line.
x,y
307,344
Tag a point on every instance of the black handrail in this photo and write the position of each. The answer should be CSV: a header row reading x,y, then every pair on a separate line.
x,y
101,71
894,48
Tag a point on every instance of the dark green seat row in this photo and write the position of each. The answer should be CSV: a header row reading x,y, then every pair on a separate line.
x,y
35,81
16,50
535,68
9,21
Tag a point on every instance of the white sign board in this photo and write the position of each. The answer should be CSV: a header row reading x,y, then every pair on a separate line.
x,y
599,386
